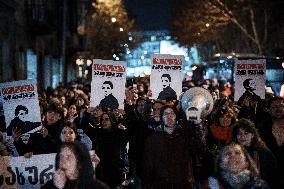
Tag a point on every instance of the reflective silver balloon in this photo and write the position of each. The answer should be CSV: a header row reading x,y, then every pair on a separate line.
x,y
197,103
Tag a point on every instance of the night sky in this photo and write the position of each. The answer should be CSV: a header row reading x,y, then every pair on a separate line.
x,y
150,14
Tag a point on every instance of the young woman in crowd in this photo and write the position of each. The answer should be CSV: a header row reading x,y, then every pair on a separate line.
x,y
73,169
245,133
69,134
109,145
221,127
235,169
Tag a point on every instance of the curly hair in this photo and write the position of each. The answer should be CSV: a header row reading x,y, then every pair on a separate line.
x,y
248,126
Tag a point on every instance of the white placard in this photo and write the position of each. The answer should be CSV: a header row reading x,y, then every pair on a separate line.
x,y
250,79
108,84
166,76
21,106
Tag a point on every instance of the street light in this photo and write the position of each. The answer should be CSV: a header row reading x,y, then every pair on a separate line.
x,y
113,19
83,64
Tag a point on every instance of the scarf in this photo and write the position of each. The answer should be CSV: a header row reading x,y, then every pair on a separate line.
x,y
221,133
236,180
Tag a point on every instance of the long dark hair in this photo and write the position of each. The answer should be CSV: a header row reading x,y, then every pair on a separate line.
x,y
84,164
248,126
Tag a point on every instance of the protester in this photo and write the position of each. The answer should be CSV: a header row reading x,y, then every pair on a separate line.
x,y
73,169
235,169
245,133
169,154
220,129
109,144
271,131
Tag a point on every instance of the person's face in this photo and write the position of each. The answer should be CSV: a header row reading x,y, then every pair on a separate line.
x,y
165,82
225,120
252,85
277,109
80,102
67,135
106,123
52,117
157,109
62,100
169,117
106,89
233,159
68,163
65,111
72,109
244,137
140,106
22,115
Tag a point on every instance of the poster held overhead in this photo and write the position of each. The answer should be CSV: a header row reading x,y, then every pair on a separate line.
x,y
250,82
166,76
108,84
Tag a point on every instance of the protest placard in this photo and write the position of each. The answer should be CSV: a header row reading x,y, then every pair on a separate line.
x,y
21,106
166,76
108,84
250,80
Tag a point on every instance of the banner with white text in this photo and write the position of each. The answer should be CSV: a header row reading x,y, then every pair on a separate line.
x,y
26,173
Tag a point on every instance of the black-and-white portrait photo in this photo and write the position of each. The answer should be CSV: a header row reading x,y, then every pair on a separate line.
x,y
21,121
109,101
167,92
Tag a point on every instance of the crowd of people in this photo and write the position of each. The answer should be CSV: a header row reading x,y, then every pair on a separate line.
x,y
150,144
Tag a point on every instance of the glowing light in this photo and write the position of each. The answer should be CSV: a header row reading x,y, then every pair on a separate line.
x,y
229,57
114,55
218,55
283,65
121,29
116,58
130,38
142,57
79,62
207,25
89,62
194,68
113,19
277,57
